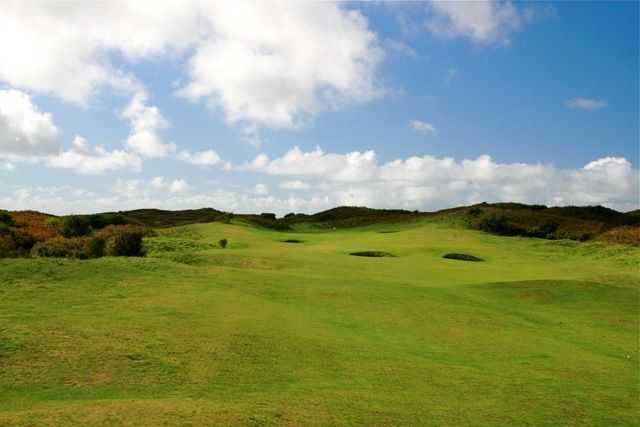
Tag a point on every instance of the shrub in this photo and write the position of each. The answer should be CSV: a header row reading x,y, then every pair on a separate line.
x,y
499,225
475,212
223,243
73,226
95,247
76,247
100,221
7,246
268,215
6,218
123,240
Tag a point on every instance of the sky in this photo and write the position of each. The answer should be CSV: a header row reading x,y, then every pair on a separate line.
x,y
294,106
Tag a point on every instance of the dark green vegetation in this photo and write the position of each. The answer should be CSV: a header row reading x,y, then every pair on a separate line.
x,y
462,257
21,231
543,333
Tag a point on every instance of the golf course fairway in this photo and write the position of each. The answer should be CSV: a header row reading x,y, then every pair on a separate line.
x,y
265,332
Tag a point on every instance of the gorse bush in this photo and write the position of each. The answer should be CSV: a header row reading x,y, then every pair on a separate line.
x,y
72,225
6,218
223,243
124,240
100,221
75,247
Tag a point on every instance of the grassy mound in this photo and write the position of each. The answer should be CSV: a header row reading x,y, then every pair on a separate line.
x,y
462,257
372,254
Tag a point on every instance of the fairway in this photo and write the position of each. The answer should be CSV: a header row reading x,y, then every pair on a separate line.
x,y
265,332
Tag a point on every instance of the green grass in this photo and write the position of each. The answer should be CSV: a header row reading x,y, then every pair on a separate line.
x,y
543,333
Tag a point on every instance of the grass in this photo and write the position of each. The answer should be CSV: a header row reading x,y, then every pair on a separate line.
x,y
543,333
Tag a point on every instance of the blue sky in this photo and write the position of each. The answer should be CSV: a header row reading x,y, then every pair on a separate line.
x,y
283,106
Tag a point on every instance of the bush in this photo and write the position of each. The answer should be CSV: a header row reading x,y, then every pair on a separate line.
x,y
123,240
499,225
73,226
95,247
223,243
475,212
100,221
6,218
76,247
7,246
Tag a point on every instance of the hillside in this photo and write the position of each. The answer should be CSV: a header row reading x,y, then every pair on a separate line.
x,y
22,230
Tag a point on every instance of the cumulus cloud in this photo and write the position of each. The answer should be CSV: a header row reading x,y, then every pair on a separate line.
x,y
135,194
294,185
269,63
295,66
427,182
146,123
24,129
63,48
354,166
178,185
29,135
482,21
586,103
203,158
86,159
421,126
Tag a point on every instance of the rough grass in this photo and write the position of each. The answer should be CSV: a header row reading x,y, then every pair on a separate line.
x,y
542,334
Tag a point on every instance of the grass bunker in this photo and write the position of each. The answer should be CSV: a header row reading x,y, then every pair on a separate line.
x,y
462,257
372,254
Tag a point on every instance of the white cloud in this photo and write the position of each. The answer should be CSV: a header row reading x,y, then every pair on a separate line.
x,y
429,182
24,129
85,159
354,166
158,182
294,185
62,48
482,21
421,126
203,158
425,183
29,135
586,103
146,122
178,186
306,57
261,190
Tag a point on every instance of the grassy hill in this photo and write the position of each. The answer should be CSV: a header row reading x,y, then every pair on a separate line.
x,y
540,333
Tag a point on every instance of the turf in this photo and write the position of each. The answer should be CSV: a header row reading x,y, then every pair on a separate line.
x,y
543,333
